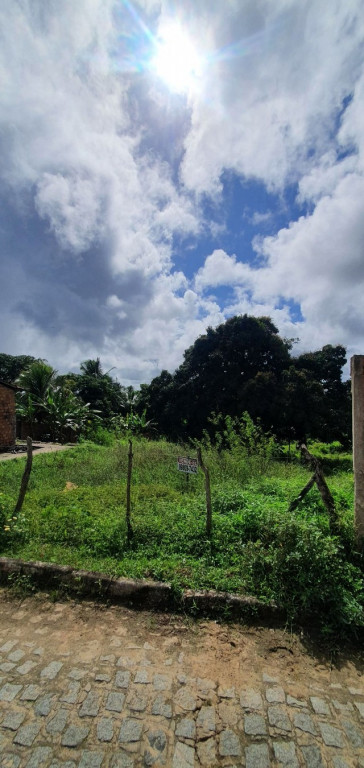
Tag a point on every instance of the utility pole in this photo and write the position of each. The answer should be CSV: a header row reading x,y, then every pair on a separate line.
x,y
357,390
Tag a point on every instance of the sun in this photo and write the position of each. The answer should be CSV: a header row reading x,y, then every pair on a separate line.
x,y
176,60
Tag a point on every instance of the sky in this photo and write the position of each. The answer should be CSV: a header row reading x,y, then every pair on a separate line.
x,y
167,165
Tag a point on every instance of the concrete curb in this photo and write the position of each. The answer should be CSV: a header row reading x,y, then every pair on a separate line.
x,y
138,593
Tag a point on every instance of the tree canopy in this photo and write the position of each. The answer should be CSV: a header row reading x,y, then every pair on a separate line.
x,y
242,366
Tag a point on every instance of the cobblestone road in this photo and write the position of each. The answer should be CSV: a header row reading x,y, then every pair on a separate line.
x,y
82,687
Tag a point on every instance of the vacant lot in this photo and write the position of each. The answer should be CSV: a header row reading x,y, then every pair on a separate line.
x,y
74,513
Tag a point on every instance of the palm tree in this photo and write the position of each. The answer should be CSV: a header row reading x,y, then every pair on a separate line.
x,y
36,379
92,368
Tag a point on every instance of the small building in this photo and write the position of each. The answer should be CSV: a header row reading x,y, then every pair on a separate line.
x,y
7,415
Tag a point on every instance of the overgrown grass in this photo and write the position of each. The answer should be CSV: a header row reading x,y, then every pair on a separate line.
x,y
74,513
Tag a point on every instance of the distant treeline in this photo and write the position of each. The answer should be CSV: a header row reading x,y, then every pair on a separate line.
x,y
243,365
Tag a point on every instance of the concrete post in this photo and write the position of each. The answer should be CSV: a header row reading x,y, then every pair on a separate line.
x,y
357,389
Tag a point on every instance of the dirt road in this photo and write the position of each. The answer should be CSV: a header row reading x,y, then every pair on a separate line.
x,y
106,687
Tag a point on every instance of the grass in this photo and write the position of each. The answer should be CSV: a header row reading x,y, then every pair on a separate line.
x,y
258,547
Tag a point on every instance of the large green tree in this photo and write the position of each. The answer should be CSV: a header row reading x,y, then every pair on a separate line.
x,y
12,365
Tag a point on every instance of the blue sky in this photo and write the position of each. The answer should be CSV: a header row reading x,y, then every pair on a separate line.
x,y
144,198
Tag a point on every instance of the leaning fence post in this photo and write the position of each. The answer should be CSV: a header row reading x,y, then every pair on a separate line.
x,y
26,475
208,494
128,484
357,390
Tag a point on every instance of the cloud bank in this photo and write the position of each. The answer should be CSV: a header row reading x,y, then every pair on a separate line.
x,y
119,236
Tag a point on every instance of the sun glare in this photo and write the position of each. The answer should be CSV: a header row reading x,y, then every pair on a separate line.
x,y
176,60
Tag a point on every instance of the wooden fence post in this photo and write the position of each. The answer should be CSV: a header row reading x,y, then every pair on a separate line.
x,y
208,494
128,484
357,390
26,475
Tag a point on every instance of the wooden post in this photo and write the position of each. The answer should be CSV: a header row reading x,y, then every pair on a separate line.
x,y
357,390
128,484
208,494
322,486
26,475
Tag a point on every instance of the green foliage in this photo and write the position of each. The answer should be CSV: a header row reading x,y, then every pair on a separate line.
x,y
74,513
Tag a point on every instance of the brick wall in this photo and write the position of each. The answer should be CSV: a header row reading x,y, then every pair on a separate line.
x,y
7,417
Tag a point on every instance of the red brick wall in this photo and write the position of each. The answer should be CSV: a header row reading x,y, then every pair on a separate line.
x,y
7,417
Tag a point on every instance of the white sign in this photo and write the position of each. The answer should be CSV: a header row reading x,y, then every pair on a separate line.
x,y
186,464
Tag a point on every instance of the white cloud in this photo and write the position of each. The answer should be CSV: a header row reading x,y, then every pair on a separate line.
x,y
106,171
222,269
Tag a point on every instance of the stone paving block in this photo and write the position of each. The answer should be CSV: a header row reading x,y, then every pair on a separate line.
x,y
72,694
31,693
162,683
320,706
130,731
228,713
257,756
142,677
185,699
205,685
39,756
206,722
161,707
26,735
13,720
9,691
67,764
105,729
25,668
91,759
226,693
101,678
254,725
184,756
138,703
275,695
353,734
285,753
7,666
110,659
206,751
16,655
359,705
44,705
269,679
9,760
229,745
115,701
77,674
304,723
157,740
74,736
38,651
340,707
312,756
278,718
296,702
353,691
331,736
58,722
338,762
121,760
122,679
8,646
186,728
51,670
251,699
90,707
